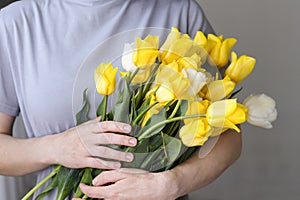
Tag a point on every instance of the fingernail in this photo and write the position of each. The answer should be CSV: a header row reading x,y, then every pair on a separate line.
x,y
95,182
132,141
126,128
129,157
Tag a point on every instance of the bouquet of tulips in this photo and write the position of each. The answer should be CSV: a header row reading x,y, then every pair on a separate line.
x,y
172,101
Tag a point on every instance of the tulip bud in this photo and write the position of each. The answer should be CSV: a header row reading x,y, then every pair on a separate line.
x,y
261,110
219,89
194,133
240,67
220,52
226,114
105,78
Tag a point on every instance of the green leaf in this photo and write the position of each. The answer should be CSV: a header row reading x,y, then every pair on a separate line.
x,y
96,172
161,116
183,108
133,112
135,131
86,179
82,115
150,80
66,179
165,155
144,106
172,148
76,184
53,184
235,93
154,161
140,153
101,110
122,107
138,98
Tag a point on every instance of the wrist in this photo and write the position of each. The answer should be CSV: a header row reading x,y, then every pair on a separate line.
x,y
48,153
172,181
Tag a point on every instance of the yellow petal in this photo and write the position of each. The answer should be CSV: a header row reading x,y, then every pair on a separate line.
x,y
219,89
200,39
143,75
239,116
218,111
226,114
240,68
164,95
146,51
175,82
189,62
105,78
194,133
220,51
226,47
196,107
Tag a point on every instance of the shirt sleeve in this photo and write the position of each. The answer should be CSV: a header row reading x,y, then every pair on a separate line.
x,y
197,19
8,98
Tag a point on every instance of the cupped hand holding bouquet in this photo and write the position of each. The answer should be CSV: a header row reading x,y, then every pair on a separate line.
x,y
172,102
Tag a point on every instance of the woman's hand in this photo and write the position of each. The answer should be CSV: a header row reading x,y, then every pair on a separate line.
x,y
85,145
129,184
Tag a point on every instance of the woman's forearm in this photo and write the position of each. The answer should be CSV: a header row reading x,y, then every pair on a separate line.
x,y
198,172
23,156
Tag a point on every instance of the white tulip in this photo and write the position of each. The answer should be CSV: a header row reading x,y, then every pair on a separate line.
x,y
127,61
261,110
197,80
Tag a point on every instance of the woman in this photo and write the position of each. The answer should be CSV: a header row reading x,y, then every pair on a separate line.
x,y
42,43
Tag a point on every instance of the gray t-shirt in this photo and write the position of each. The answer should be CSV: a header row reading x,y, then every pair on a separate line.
x,y
43,43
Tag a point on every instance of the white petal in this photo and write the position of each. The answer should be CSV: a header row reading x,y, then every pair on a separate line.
x,y
127,61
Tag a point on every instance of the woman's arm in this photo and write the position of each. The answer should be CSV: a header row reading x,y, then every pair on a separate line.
x,y
198,172
20,156
77,147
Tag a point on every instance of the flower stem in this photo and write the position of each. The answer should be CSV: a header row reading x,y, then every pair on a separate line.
x,y
151,129
133,75
175,109
101,111
33,190
140,116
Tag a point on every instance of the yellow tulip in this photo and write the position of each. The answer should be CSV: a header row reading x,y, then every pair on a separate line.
x,y
171,84
226,114
146,51
205,44
173,65
196,107
219,89
177,46
154,110
105,78
194,133
240,67
190,62
220,52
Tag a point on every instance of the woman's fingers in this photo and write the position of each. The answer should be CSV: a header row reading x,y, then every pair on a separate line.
x,y
106,152
101,164
111,126
111,138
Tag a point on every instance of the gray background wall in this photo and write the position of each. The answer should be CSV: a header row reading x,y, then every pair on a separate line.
x,y
269,164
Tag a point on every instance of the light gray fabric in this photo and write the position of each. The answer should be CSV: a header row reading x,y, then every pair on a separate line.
x,y
44,42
